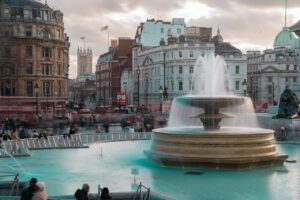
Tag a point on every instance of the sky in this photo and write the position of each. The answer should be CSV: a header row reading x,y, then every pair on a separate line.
x,y
247,24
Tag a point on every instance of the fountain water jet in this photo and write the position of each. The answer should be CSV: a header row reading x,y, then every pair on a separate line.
x,y
215,144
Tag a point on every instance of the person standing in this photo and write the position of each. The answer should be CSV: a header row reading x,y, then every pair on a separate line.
x,y
28,192
82,194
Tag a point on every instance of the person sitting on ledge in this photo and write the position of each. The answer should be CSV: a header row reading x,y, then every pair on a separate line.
x,y
105,194
82,194
28,192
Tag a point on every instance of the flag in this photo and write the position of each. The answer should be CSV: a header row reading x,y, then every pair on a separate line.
x,y
104,28
82,38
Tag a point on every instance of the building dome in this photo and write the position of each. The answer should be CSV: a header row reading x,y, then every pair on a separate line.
x,y
218,38
32,3
284,39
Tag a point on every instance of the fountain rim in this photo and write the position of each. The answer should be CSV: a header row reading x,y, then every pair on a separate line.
x,y
186,130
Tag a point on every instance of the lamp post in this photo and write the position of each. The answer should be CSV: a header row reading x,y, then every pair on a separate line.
x,y
244,84
69,104
296,28
138,71
146,92
165,89
273,93
36,91
161,90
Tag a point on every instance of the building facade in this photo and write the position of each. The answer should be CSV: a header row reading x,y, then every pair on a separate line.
x,y
84,61
151,32
170,65
110,66
34,59
273,70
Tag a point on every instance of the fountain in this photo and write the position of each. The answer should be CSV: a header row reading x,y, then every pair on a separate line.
x,y
224,141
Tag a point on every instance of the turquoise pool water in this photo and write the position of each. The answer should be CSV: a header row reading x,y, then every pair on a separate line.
x,y
66,170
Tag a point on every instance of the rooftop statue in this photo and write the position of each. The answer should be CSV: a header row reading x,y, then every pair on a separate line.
x,y
288,105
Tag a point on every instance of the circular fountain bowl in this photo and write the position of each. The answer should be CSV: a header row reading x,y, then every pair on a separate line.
x,y
227,148
202,101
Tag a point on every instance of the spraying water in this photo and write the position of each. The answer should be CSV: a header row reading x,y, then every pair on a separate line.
x,y
211,79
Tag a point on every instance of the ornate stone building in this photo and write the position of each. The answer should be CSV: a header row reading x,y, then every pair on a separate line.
x,y
84,61
34,59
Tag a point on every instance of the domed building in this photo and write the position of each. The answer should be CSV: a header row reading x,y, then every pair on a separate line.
x,y
285,39
271,71
34,59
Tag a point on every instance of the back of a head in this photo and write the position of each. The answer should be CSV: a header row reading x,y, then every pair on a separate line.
x,y
105,192
33,181
86,187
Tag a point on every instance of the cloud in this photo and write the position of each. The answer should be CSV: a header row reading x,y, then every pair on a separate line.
x,y
246,24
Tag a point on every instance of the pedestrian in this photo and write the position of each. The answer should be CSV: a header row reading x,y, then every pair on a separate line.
x,y
105,194
82,194
28,192
40,193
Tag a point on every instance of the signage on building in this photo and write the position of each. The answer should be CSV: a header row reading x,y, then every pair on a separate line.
x,y
121,97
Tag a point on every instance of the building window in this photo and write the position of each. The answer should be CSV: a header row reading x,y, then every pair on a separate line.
x,y
29,88
180,85
270,79
29,68
7,52
46,15
237,69
169,31
295,67
27,14
46,52
190,84
180,69
287,67
191,69
172,54
179,31
46,88
180,54
58,69
162,30
191,54
237,85
28,31
6,12
295,79
46,69
286,79
28,51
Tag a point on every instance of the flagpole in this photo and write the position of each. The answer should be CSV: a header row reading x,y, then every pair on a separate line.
x,y
107,39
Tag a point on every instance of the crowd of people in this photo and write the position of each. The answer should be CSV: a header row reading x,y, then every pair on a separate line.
x,y
37,191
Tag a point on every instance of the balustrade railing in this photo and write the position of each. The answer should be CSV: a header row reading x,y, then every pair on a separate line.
x,y
74,141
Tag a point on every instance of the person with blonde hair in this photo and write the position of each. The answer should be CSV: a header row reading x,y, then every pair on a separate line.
x,y
40,193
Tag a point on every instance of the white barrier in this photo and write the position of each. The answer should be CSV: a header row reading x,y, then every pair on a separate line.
x,y
74,141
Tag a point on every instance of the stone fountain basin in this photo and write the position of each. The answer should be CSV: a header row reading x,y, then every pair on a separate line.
x,y
227,148
216,101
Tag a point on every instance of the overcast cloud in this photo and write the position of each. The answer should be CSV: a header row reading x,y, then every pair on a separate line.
x,y
247,24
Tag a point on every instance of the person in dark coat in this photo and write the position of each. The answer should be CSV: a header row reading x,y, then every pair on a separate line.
x,y
105,194
82,194
28,192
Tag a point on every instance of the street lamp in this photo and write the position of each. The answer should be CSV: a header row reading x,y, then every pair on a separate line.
x,y
138,71
36,91
161,90
146,92
244,84
69,104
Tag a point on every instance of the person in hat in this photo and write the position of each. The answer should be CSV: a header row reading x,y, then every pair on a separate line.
x,y
40,193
